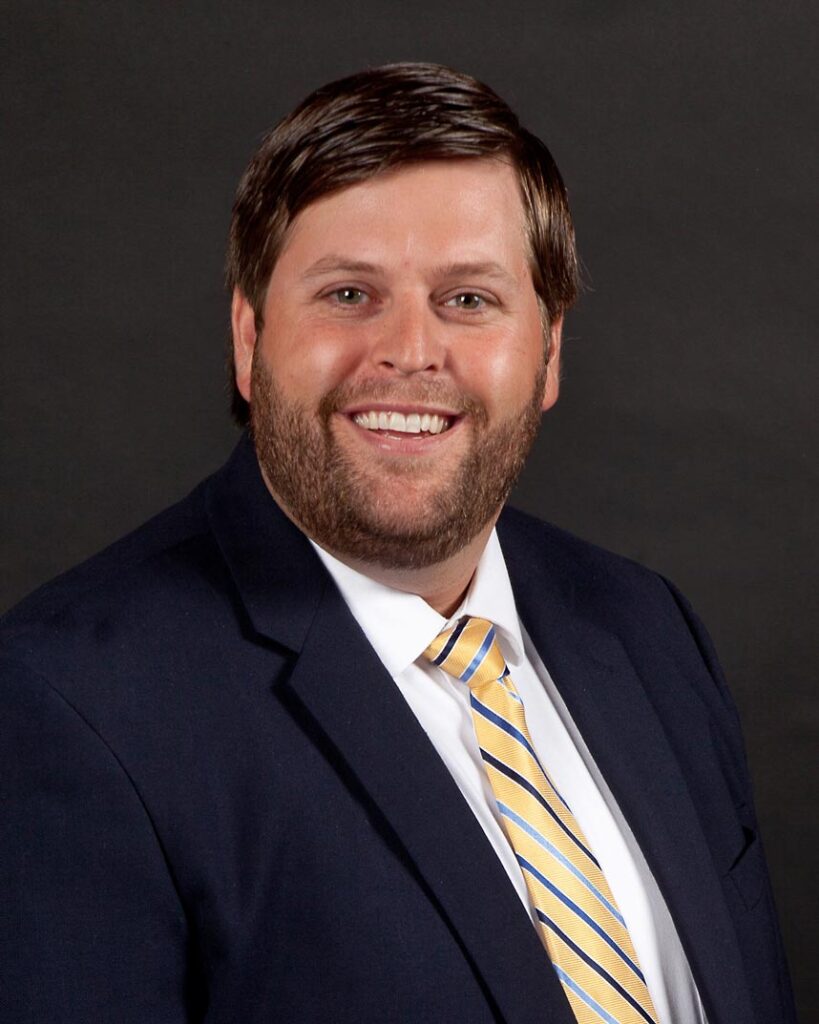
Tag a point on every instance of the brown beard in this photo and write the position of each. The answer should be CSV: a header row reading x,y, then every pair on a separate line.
x,y
336,505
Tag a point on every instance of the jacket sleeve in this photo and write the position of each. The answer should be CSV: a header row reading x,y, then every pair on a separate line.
x,y
91,927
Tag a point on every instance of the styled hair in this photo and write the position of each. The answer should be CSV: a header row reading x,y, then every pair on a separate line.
x,y
382,119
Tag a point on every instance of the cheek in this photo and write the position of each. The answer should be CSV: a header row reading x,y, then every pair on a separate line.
x,y
310,357
505,368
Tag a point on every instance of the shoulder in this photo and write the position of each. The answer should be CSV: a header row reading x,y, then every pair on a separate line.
x,y
616,592
139,655
647,612
585,571
135,584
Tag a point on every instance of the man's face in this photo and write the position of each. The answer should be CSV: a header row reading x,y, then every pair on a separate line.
x,y
397,383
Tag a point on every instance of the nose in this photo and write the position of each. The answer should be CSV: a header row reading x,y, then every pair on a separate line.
x,y
409,339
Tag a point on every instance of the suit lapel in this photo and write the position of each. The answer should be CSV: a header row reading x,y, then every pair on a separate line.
x,y
342,685
347,691
627,740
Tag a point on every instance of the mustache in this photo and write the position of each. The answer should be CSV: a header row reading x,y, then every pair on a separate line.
x,y
411,392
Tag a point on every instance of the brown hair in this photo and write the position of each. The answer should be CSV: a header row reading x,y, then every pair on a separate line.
x,y
381,119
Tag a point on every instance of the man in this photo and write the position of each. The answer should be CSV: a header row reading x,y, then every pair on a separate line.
x,y
319,743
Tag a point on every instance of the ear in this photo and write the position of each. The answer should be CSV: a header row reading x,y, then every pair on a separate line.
x,y
243,324
552,385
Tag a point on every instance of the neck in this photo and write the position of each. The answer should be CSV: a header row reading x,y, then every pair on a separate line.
x,y
442,585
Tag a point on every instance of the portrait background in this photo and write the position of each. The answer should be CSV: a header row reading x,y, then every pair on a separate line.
x,y
685,436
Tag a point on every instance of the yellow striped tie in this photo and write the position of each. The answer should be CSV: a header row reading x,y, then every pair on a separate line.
x,y
584,933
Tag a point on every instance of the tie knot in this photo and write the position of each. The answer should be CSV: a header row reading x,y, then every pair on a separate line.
x,y
469,651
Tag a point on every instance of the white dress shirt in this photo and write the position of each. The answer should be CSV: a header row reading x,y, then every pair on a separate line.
x,y
400,626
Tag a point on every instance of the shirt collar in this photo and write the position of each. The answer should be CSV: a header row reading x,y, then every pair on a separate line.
x,y
400,626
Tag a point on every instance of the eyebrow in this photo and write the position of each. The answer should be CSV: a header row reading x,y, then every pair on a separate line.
x,y
343,264
339,263
479,268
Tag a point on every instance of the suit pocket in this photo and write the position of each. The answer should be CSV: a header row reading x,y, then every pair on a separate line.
x,y
747,874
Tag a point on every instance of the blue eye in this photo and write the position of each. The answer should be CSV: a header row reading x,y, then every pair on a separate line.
x,y
350,296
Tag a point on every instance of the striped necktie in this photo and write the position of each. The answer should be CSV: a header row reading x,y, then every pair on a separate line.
x,y
584,933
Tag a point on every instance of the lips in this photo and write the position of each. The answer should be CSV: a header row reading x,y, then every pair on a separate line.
x,y
402,423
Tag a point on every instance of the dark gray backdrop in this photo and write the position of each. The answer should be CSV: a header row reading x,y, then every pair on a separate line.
x,y
684,436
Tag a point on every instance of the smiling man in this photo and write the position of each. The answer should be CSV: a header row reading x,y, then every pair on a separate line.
x,y
338,738
400,369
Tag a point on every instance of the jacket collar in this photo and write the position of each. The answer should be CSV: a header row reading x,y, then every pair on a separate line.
x,y
279,577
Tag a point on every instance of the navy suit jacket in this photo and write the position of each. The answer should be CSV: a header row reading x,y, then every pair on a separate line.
x,y
216,805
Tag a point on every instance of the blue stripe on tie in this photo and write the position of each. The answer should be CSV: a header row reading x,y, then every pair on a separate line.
x,y
482,651
453,639
554,788
501,723
546,777
508,685
578,874
587,999
595,967
530,788
581,914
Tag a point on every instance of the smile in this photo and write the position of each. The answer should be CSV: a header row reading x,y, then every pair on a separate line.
x,y
403,423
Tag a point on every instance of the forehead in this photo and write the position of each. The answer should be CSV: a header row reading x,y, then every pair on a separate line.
x,y
441,210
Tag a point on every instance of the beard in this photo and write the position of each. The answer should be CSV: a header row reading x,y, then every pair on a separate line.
x,y
344,504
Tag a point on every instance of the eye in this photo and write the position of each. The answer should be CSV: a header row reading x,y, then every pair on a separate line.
x,y
469,301
349,296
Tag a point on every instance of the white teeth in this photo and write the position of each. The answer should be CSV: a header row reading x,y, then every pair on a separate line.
x,y
399,423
